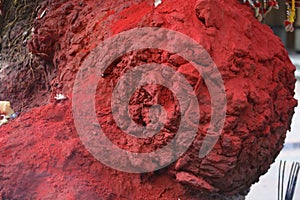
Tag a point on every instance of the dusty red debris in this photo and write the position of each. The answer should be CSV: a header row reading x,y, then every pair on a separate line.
x,y
42,156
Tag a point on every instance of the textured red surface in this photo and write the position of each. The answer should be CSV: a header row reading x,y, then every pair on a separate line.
x,y
42,157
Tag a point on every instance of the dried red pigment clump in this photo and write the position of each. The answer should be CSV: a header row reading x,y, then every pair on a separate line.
x,y
42,156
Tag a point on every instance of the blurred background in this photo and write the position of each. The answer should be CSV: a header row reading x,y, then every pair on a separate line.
x,y
266,188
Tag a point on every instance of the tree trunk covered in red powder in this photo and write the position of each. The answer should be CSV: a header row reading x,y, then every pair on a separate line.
x,y
42,157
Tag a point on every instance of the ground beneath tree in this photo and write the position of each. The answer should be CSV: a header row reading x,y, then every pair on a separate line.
x,y
42,157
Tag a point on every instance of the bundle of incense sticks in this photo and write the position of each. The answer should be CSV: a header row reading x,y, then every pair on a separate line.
x,y
292,180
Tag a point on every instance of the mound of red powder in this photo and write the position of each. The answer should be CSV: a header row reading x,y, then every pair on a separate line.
x,y
42,156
